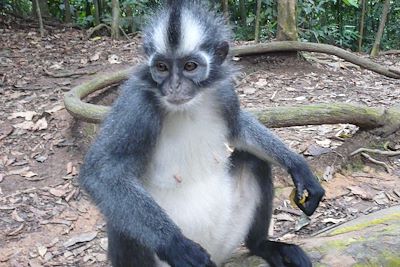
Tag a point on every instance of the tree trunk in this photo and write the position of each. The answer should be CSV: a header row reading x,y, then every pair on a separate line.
x,y
360,40
88,8
225,8
377,43
129,16
287,27
96,12
115,19
257,30
242,11
67,14
39,16
44,9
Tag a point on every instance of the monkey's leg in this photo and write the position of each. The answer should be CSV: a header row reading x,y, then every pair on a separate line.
x,y
124,252
277,254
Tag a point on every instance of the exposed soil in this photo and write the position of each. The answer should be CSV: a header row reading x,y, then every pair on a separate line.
x,y
45,220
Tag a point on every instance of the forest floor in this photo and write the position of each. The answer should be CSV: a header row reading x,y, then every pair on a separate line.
x,y
46,220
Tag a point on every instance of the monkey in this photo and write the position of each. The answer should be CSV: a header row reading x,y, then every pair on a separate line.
x,y
180,172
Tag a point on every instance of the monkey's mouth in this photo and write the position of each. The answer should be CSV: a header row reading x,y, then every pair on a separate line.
x,y
178,100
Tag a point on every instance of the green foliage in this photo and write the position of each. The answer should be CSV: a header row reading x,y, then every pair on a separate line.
x,y
20,7
327,21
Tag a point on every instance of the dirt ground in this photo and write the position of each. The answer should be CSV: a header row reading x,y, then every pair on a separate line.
x,y
45,220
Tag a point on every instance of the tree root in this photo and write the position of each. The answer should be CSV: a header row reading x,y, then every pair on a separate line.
x,y
314,47
377,162
376,151
385,121
96,28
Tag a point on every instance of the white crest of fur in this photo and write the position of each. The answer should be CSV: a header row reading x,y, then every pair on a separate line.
x,y
192,33
160,35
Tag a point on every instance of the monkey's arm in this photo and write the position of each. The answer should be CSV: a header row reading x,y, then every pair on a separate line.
x,y
253,137
112,173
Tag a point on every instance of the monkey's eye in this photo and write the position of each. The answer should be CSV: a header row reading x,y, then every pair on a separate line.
x,y
190,66
161,67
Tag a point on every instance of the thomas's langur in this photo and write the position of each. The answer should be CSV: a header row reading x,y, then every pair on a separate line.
x,y
160,171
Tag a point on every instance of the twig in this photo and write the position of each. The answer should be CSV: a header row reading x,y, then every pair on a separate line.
x,y
326,229
68,74
124,33
381,163
376,151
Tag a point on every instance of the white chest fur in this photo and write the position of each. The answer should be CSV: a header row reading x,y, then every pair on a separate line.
x,y
189,178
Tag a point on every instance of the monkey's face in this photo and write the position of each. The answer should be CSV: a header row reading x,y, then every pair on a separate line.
x,y
180,79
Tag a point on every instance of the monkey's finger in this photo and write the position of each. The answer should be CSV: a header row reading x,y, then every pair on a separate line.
x,y
311,203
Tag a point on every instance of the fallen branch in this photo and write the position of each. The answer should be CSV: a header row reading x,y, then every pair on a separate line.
x,y
377,162
314,47
376,151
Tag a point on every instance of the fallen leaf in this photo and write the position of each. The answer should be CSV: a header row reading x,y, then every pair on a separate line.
x,y
42,250
357,190
249,90
302,222
69,167
328,173
28,115
85,237
16,217
95,57
315,150
381,198
55,109
57,192
284,217
324,143
28,174
5,130
1,177
16,231
40,124
18,171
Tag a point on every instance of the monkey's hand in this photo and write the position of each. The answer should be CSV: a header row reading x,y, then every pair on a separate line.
x,y
308,190
183,252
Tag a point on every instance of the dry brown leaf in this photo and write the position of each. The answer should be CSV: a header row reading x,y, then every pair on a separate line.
x,y
1,177
16,231
42,250
16,217
361,192
28,174
57,192
18,171
5,130
69,167
85,237
95,57
284,217
40,124
55,109
28,115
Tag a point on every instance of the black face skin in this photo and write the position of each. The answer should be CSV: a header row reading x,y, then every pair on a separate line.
x,y
179,79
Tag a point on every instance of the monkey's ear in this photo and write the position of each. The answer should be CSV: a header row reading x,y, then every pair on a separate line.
x,y
221,51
